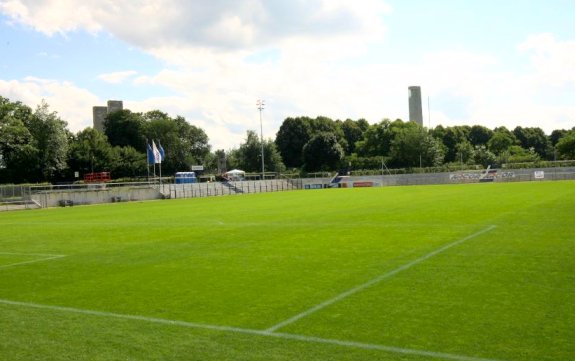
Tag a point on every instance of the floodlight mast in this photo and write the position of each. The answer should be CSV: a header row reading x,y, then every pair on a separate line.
x,y
261,103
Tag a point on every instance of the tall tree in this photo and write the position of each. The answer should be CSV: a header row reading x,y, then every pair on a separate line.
x,y
556,135
566,146
50,138
90,152
292,136
322,153
464,152
501,140
184,144
16,151
129,162
376,140
413,146
323,124
125,128
479,135
484,156
453,136
249,155
532,138
353,133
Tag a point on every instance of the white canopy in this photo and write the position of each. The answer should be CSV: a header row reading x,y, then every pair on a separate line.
x,y
236,172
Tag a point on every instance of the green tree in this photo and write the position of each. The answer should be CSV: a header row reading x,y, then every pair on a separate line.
x,y
556,135
129,162
353,133
292,136
50,138
376,140
249,155
566,146
90,152
483,156
323,124
501,141
518,154
413,146
464,152
126,129
184,144
17,151
479,135
438,132
451,137
322,153
532,138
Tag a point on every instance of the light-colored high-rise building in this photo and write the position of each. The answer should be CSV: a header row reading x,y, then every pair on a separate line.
x,y
99,113
115,106
415,110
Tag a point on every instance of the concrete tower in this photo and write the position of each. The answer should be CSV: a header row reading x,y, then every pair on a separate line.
x,y
99,116
115,106
99,113
415,111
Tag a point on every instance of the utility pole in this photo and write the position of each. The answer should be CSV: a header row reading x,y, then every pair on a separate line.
x,y
261,103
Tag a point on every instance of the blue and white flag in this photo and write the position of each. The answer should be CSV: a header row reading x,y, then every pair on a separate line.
x,y
150,154
157,155
162,153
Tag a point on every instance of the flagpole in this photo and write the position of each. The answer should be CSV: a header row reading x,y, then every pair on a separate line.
x,y
148,159
161,150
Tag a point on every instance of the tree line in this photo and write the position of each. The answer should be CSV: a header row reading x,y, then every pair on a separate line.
x,y
323,144
36,146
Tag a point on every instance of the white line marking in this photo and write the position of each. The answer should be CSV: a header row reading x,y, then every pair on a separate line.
x,y
46,257
247,331
33,254
373,281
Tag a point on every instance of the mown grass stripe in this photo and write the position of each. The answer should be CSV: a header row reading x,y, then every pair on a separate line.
x,y
375,280
279,335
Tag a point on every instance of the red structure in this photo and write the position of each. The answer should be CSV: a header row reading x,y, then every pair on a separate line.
x,y
100,177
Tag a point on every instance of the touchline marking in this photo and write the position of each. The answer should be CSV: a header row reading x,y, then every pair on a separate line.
x,y
247,331
47,257
373,281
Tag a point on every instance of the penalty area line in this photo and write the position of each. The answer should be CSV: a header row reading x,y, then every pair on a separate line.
x,y
375,280
247,331
46,257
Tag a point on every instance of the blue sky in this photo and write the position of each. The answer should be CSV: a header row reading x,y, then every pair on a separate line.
x,y
479,62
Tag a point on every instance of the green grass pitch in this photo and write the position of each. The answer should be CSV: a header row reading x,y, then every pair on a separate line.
x,y
457,272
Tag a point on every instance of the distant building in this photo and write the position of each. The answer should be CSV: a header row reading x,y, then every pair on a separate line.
x,y
99,113
415,111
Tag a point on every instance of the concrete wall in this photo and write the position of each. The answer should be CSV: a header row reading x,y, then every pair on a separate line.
x,y
499,175
95,194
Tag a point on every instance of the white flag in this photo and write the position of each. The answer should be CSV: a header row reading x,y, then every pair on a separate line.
x,y
157,155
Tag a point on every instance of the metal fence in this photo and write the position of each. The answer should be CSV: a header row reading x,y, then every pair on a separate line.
x,y
195,190
26,197
15,197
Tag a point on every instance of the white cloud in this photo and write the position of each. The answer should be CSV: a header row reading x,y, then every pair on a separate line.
x,y
51,16
552,60
117,77
73,104
217,24
300,56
